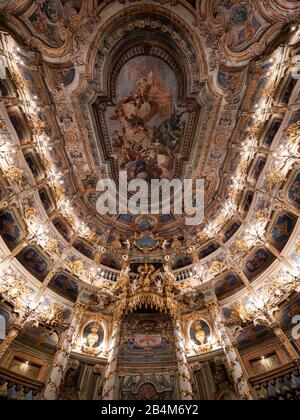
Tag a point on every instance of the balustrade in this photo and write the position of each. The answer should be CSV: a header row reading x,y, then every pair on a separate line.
x,y
279,384
17,387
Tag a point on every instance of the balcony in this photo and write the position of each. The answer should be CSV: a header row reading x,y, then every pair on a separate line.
x,y
17,387
279,384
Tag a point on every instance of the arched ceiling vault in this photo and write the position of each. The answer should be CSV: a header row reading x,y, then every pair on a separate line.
x,y
66,65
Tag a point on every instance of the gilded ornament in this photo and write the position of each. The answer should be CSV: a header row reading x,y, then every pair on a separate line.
x,y
30,213
217,266
293,131
240,314
36,124
59,191
14,174
274,178
262,215
53,246
241,246
255,130
90,236
51,315
176,244
270,90
77,267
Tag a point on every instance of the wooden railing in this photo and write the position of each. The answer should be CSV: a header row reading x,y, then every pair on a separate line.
x,y
17,387
279,384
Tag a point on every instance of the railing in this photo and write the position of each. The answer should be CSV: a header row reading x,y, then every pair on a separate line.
x,y
17,387
279,384
106,274
185,273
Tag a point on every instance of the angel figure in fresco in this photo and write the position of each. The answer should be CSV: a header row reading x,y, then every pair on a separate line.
x,y
170,130
144,86
117,139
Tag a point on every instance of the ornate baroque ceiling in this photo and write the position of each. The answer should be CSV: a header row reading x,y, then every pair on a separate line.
x,y
199,89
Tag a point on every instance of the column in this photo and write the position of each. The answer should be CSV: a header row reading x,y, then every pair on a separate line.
x,y
235,363
11,336
268,320
110,378
14,330
277,330
98,372
62,356
19,325
184,378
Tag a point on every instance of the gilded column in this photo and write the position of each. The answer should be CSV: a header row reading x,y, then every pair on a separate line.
x,y
11,336
111,373
184,378
110,377
185,386
235,363
15,329
62,355
275,327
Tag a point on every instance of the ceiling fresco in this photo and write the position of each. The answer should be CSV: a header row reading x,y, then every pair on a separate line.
x,y
155,89
146,124
160,102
